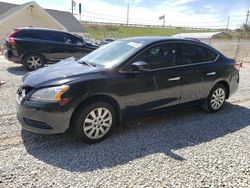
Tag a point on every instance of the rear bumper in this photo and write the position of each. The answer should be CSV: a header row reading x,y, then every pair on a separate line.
x,y
234,84
9,55
43,118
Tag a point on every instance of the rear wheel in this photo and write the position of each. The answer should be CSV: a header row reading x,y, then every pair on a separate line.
x,y
216,99
94,123
33,62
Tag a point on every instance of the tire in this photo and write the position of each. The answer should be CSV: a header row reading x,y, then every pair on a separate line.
x,y
88,122
216,99
33,61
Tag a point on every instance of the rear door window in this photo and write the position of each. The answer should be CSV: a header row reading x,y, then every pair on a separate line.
x,y
51,36
193,53
31,34
212,55
57,37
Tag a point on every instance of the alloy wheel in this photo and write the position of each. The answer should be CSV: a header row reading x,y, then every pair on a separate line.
x,y
218,98
34,62
97,123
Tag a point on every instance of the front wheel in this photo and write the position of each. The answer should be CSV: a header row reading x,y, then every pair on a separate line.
x,y
216,99
94,123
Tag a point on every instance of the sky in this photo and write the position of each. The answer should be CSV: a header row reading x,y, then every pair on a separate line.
x,y
187,13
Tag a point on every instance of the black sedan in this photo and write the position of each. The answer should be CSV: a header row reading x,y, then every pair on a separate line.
x,y
121,80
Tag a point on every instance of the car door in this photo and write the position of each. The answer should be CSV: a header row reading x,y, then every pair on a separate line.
x,y
56,47
199,71
158,87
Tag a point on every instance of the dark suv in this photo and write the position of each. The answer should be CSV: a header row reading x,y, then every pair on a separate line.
x,y
124,79
35,47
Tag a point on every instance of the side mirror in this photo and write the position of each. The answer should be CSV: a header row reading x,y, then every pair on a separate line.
x,y
141,66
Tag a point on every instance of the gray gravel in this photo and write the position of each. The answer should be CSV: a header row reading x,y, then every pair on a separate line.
x,y
187,148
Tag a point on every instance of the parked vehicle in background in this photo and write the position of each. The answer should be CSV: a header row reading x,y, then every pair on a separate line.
x,y
87,40
35,47
121,80
107,41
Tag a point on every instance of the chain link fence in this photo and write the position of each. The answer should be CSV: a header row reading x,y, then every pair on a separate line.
x,y
232,48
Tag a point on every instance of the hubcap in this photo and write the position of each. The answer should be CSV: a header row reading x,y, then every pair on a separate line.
x,y
218,98
34,62
97,123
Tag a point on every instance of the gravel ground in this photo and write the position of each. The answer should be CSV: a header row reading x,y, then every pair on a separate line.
x,y
187,148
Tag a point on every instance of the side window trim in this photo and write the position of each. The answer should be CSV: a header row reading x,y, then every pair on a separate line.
x,y
177,43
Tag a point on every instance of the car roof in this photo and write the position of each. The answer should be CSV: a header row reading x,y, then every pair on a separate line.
x,y
40,29
147,40
153,39
47,29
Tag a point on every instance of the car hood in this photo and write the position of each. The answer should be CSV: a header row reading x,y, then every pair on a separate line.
x,y
60,73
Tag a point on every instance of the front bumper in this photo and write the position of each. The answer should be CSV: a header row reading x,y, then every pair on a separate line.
x,y
43,118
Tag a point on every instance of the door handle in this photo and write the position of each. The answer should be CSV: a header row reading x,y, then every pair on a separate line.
x,y
211,73
174,78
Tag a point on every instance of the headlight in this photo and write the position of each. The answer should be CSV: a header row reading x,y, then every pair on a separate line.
x,y
51,94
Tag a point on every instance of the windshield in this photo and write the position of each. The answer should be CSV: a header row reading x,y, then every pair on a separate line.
x,y
111,54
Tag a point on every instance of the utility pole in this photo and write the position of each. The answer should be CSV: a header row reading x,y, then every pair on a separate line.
x,y
72,4
164,22
228,22
80,12
127,14
248,13
245,29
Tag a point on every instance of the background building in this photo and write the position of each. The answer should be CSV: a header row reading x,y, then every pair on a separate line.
x,y
30,14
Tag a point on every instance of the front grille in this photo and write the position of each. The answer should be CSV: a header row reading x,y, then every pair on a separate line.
x,y
36,124
22,92
27,89
24,87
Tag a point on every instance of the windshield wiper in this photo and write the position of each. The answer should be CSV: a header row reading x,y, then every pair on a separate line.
x,y
84,62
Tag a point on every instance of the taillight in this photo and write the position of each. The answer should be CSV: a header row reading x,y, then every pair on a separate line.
x,y
11,36
237,66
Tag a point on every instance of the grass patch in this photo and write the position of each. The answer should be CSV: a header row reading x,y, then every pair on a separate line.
x,y
106,31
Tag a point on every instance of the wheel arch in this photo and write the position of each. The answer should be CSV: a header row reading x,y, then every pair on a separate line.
x,y
28,53
98,98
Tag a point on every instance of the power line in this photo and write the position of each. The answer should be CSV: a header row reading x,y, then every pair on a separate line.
x,y
232,20
157,21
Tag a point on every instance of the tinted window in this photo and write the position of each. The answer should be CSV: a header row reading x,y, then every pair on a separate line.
x,y
159,56
45,35
192,53
211,55
51,36
58,37
41,34
28,34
